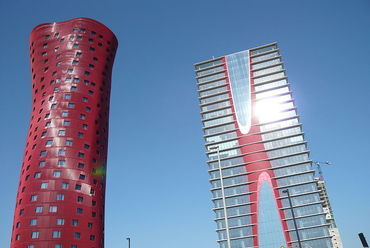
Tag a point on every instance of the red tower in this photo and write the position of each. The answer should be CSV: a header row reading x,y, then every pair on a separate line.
x,y
60,199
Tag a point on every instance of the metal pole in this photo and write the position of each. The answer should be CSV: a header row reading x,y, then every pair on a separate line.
x,y
129,242
223,195
293,216
363,240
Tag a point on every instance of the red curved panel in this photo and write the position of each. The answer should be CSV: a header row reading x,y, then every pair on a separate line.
x,y
61,194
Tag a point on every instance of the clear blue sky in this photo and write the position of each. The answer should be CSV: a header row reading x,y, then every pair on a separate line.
x,y
158,190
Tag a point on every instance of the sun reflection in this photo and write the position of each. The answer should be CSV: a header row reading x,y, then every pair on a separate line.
x,y
269,110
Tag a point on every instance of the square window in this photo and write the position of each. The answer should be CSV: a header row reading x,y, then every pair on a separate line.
x,y
75,45
79,134
62,132
84,126
64,114
74,222
87,73
48,124
33,222
56,89
78,54
68,96
82,116
37,175
60,222
80,155
75,62
57,173
58,246
68,142
66,123
82,177
70,70
88,109
78,187
65,185
56,234
71,37
44,185
86,82
92,237
43,134
68,79
60,197
93,203
80,165
53,106
71,105
38,209
79,210
18,237
77,235
62,152
73,88
49,143
86,146
84,99
76,80
47,115
91,66
33,198
80,199
89,225
42,163
61,162
42,153
35,235
21,212
53,209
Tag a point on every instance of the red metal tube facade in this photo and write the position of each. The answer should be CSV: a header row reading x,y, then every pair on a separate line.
x,y
60,199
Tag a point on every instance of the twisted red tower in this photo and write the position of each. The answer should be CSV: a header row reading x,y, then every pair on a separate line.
x,y
60,199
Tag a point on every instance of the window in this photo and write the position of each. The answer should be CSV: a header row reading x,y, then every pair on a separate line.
x,y
66,123
93,203
56,234
74,222
76,80
37,175
49,143
58,246
62,132
78,54
68,79
80,165
38,209
78,187
30,246
73,88
21,211
88,109
33,198
33,222
82,116
86,146
84,99
79,210
75,46
65,185
60,222
53,209
77,235
42,153
64,114
44,185
56,174
42,163
92,237
74,62
87,73
60,197
80,155
43,134
68,96
84,126
71,105
89,225
18,225
61,162
47,124
82,177
62,152
79,134
18,237
35,235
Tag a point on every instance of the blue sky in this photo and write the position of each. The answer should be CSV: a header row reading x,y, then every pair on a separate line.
x,y
158,190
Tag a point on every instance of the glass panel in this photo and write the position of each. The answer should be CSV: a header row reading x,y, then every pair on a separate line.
x,y
217,113
210,71
213,84
270,85
205,65
212,77
266,56
267,70
271,234
267,63
213,91
263,50
269,78
238,69
214,98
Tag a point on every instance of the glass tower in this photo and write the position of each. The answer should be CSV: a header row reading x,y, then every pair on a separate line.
x,y
256,151
61,193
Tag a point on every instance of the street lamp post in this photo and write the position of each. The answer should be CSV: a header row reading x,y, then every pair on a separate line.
x,y
217,148
293,216
129,242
